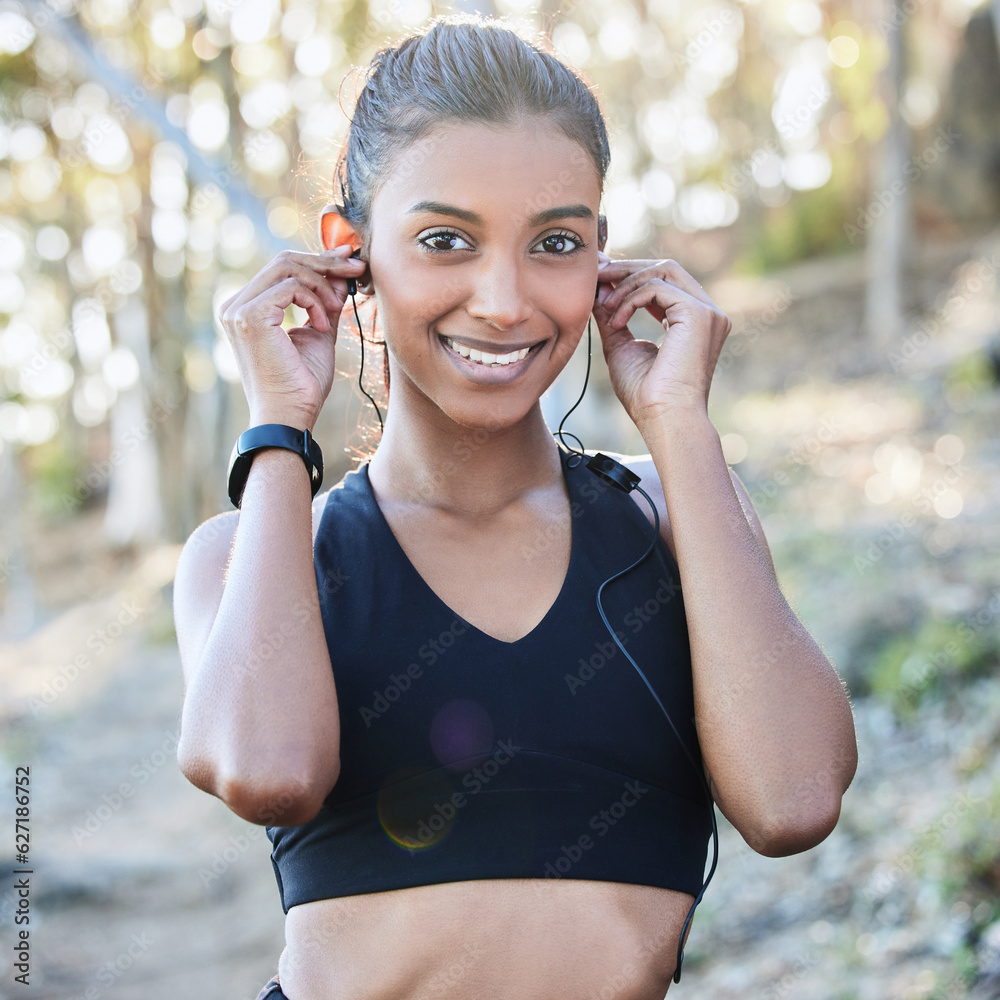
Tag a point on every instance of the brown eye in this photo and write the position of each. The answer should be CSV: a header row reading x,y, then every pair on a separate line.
x,y
561,244
441,241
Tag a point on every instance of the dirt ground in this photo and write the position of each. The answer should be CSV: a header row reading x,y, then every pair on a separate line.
x,y
144,887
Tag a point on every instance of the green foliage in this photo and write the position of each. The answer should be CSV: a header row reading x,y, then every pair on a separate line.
x,y
972,374
160,630
964,860
811,223
975,865
964,972
54,471
908,668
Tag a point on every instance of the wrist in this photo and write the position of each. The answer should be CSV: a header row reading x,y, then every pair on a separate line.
x,y
276,471
289,416
272,435
675,421
288,462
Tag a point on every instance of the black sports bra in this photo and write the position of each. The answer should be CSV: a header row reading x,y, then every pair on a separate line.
x,y
467,757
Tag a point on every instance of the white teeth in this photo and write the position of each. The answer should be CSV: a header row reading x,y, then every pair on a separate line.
x,y
485,358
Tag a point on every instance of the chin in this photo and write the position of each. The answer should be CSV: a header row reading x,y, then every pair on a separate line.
x,y
491,418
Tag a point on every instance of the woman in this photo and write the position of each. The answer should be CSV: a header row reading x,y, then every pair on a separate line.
x,y
406,679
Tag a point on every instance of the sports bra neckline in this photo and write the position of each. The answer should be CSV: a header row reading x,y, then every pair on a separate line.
x,y
408,567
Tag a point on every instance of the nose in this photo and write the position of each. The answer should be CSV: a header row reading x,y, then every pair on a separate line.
x,y
498,296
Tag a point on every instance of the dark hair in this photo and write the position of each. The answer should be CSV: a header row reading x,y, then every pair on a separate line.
x,y
457,68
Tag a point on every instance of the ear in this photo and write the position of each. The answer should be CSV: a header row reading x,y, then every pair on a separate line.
x,y
335,230
602,231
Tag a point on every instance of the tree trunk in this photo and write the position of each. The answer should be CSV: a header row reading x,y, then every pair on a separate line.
x,y
133,513
19,611
889,201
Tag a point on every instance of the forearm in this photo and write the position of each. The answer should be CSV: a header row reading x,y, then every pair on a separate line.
x,y
773,719
260,714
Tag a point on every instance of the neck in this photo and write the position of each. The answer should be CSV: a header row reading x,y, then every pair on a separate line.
x,y
427,458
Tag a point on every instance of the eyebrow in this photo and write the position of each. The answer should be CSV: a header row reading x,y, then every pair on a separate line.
x,y
538,219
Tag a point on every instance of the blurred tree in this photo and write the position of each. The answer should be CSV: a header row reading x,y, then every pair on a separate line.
x,y
889,203
153,156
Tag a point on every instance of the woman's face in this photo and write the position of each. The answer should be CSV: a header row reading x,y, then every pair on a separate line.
x,y
484,242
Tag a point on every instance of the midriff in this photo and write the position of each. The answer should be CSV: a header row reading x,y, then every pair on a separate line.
x,y
486,939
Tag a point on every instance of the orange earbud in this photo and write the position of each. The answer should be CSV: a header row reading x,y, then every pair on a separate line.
x,y
335,231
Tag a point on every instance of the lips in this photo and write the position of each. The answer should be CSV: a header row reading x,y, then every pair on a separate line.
x,y
486,366
485,357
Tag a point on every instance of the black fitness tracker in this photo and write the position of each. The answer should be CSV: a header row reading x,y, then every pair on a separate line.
x,y
254,439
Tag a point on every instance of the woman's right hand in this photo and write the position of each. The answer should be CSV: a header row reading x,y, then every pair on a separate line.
x,y
287,375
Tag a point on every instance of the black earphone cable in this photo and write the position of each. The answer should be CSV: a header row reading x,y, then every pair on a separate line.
x,y
560,433
617,480
680,740
573,461
381,426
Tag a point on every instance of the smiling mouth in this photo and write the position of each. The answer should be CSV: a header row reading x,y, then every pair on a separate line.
x,y
484,358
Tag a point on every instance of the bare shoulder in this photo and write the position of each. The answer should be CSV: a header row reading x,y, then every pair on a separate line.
x,y
644,467
200,579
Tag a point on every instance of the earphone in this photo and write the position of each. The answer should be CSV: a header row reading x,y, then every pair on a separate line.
x,y
620,476
624,479
352,290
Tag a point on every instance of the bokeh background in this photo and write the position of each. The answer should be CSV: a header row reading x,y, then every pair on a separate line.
x,y
828,169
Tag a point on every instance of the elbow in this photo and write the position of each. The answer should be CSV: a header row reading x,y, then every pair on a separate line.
x,y
799,813
288,797
796,827
272,801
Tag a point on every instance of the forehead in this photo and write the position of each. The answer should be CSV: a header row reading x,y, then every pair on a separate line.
x,y
502,173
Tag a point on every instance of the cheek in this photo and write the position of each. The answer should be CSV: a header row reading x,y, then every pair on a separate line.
x,y
570,302
417,297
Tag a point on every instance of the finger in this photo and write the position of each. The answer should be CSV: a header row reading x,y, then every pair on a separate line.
x,y
337,262
633,352
330,264
280,270
667,270
308,336
656,292
321,283
269,309
613,337
614,273
629,279
331,289
315,308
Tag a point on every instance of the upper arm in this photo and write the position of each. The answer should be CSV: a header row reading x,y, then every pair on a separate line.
x,y
199,584
200,580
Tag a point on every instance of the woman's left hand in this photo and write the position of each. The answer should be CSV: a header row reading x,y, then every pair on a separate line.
x,y
651,380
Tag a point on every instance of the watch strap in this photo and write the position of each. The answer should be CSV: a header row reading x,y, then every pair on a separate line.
x,y
262,436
